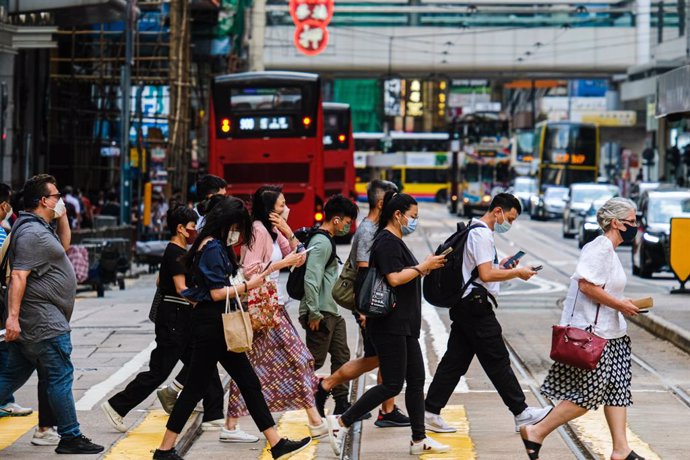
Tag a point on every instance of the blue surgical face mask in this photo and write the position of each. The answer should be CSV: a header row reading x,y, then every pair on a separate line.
x,y
410,227
504,227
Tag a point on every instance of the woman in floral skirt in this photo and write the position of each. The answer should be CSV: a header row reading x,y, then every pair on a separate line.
x,y
281,360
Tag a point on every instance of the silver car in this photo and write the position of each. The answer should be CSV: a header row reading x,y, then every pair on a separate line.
x,y
548,205
579,199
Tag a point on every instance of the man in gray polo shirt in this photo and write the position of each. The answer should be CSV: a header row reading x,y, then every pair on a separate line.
x,y
40,301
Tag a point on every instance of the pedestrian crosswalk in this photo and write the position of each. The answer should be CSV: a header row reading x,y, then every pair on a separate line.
x,y
140,440
13,428
293,425
460,442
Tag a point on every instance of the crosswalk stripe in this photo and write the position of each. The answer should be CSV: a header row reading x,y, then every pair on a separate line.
x,y
141,440
13,428
293,425
593,429
462,447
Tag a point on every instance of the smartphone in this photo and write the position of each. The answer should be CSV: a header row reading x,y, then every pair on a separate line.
x,y
307,250
513,259
447,251
537,268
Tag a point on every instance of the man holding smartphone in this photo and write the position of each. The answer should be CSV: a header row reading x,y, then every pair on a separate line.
x,y
475,329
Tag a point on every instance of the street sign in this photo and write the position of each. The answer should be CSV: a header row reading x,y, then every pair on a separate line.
x,y
679,248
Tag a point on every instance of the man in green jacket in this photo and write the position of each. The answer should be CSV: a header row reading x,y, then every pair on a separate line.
x,y
319,315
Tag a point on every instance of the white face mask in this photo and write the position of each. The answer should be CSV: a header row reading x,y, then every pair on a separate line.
x,y
60,209
233,238
285,213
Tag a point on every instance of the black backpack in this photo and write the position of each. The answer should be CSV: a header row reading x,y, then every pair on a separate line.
x,y
445,286
295,282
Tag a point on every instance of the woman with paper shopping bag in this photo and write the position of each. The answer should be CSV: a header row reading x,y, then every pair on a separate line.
x,y
582,378
280,358
212,264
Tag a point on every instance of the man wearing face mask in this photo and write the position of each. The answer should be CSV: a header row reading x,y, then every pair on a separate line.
x,y
318,312
173,336
206,187
475,329
40,302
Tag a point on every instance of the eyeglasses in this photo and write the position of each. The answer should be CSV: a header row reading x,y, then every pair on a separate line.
x,y
629,222
59,195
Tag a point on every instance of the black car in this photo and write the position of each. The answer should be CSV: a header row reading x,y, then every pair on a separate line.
x,y
589,228
650,247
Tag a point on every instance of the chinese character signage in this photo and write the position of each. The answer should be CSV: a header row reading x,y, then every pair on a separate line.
x,y
391,97
311,18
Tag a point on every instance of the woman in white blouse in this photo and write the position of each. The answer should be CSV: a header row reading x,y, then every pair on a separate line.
x,y
598,283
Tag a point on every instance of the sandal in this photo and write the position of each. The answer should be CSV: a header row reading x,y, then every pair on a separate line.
x,y
633,456
534,448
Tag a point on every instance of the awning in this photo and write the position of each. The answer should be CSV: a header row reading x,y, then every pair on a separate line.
x,y
673,92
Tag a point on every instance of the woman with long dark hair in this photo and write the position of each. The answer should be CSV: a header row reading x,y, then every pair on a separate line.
x,y
396,336
211,261
280,358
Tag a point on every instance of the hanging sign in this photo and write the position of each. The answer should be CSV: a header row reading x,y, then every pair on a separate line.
x,y
311,18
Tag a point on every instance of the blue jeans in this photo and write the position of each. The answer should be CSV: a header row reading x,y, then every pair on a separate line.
x,y
51,358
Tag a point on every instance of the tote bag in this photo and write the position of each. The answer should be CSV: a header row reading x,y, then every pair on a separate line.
x,y
237,326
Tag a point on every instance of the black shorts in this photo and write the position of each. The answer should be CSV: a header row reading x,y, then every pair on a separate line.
x,y
369,350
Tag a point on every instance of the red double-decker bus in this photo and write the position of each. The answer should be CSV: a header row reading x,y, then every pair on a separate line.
x,y
267,128
339,150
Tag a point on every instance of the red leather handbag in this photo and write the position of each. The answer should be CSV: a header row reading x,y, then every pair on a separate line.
x,y
577,347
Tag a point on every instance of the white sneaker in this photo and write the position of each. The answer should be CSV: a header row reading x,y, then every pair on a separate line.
x,y
50,437
213,425
531,416
14,410
236,435
336,433
113,417
435,423
428,446
319,431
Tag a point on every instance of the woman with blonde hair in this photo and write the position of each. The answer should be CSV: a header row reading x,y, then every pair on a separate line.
x,y
595,299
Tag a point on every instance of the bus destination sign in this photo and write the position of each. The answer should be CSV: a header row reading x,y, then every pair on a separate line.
x,y
265,123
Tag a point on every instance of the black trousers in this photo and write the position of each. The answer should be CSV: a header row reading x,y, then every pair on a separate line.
x,y
400,361
209,349
173,343
475,331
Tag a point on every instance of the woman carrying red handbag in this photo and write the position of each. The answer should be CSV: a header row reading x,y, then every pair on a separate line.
x,y
282,361
596,297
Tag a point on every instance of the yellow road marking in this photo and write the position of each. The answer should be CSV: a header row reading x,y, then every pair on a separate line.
x,y
293,425
593,429
140,441
13,428
462,447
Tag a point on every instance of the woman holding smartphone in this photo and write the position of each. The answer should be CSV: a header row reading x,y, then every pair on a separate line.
x,y
211,262
280,358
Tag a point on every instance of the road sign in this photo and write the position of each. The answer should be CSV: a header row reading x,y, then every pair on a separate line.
x,y
679,247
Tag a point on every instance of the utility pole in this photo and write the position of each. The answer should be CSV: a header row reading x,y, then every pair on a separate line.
x,y
256,42
4,102
179,119
126,90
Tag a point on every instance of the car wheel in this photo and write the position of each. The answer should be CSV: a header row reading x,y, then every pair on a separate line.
x,y
567,235
635,268
441,196
467,211
645,271
581,240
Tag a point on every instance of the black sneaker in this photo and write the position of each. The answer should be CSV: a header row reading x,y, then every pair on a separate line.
x,y
78,445
287,448
391,419
320,398
166,455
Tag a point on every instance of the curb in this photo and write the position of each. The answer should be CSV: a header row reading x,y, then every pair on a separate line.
x,y
193,432
664,329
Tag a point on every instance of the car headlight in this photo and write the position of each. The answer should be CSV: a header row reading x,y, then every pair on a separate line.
x,y
649,238
465,200
486,198
589,226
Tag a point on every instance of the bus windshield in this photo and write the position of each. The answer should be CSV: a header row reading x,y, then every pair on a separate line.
x,y
570,144
271,100
525,146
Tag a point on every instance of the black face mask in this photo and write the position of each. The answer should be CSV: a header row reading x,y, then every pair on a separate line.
x,y
629,233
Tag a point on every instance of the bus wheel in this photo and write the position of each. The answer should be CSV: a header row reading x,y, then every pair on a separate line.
x,y
441,196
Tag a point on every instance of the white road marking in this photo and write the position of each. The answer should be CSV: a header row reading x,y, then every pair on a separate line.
x,y
439,338
422,345
100,390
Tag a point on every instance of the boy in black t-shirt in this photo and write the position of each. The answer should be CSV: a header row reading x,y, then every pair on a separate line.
x,y
172,337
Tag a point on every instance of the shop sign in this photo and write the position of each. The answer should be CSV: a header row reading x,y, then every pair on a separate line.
x,y
311,18
673,92
392,90
611,118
